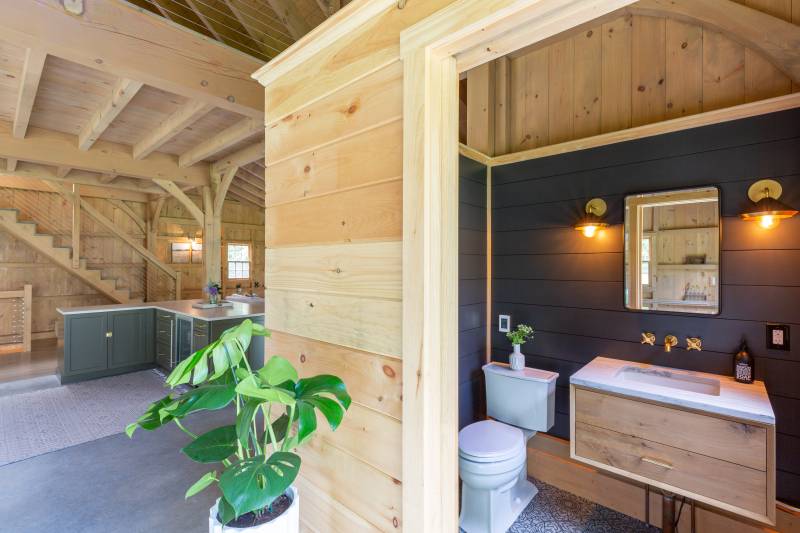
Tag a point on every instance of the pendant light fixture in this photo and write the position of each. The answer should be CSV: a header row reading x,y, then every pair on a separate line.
x,y
767,210
592,221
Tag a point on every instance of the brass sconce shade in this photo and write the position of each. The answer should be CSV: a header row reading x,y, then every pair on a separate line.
x,y
592,220
767,210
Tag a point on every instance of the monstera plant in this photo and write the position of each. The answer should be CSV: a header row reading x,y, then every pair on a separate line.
x,y
254,457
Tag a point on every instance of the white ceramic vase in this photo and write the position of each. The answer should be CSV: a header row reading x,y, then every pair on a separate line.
x,y
288,522
517,358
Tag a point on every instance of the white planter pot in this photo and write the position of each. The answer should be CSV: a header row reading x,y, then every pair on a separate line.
x,y
288,522
517,359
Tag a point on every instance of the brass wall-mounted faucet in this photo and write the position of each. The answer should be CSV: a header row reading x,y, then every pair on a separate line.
x,y
694,343
669,342
648,338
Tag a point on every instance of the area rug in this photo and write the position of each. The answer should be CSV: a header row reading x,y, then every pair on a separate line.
x,y
33,423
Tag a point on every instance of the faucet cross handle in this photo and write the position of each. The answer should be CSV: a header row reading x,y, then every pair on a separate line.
x,y
694,343
648,338
669,342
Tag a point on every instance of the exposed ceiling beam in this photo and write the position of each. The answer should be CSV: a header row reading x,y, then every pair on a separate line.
x,y
173,125
242,157
121,94
246,187
28,86
13,181
251,178
108,178
148,48
181,196
37,171
290,16
11,164
223,140
59,149
62,172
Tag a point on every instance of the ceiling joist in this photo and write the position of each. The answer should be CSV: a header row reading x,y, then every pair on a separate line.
x,y
290,16
122,93
242,157
223,140
187,114
29,85
43,172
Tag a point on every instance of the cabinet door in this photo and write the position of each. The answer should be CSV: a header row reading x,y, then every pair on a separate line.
x,y
200,334
128,344
85,342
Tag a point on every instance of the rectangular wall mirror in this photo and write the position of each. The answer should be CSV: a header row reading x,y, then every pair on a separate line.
x,y
672,251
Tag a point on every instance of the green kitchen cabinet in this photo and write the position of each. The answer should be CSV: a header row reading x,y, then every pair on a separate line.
x,y
103,344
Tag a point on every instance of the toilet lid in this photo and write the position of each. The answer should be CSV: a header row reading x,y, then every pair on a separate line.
x,y
489,439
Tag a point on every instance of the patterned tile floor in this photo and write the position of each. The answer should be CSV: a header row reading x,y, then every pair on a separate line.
x,y
556,511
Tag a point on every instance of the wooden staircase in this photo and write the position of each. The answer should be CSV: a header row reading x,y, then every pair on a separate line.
x,y
62,256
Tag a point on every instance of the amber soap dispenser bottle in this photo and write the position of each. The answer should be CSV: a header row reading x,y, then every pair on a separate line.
x,y
743,364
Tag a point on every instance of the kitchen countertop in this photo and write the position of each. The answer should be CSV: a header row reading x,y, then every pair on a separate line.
x,y
180,307
739,400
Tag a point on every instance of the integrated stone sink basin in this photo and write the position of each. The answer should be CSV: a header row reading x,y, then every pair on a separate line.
x,y
673,379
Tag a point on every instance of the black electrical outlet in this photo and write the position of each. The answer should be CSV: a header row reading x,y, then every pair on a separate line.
x,y
777,337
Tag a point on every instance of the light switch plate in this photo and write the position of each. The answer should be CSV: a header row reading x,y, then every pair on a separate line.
x,y
777,337
504,323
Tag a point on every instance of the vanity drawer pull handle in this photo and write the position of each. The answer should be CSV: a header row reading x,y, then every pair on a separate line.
x,y
656,462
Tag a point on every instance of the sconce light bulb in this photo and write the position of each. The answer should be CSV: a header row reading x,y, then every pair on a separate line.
x,y
768,221
589,231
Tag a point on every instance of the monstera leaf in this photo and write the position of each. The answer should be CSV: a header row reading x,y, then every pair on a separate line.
x,y
211,396
255,483
324,393
214,446
152,417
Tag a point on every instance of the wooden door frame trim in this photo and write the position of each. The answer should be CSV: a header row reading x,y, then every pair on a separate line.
x,y
430,52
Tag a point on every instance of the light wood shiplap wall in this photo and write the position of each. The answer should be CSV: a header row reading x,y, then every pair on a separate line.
x,y
334,254
630,71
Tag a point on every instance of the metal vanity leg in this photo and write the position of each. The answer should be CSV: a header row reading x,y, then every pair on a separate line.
x,y
693,519
647,504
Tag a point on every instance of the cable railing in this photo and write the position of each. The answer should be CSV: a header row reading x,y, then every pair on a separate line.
x,y
100,248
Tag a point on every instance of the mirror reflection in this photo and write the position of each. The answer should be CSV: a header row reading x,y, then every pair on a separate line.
x,y
672,251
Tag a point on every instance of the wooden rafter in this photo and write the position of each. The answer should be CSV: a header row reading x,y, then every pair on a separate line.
x,y
45,172
245,187
251,178
28,87
204,20
121,94
242,157
181,196
62,172
237,194
173,125
108,178
48,147
225,139
290,16
149,50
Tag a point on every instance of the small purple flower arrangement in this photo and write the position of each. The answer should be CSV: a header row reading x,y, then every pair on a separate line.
x,y
213,289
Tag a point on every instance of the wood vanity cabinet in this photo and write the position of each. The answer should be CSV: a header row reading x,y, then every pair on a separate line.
x,y
726,463
104,344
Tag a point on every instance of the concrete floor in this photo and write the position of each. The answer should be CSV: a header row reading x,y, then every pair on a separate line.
x,y
111,485
42,360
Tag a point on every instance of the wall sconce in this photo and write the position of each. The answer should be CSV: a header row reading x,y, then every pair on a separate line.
x,y
766,209
592,220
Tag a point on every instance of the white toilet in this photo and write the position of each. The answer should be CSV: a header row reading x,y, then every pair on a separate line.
x,y
492,455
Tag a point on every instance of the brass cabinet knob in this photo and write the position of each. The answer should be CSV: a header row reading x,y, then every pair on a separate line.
x,y
648,338
109,334
669,342
694,343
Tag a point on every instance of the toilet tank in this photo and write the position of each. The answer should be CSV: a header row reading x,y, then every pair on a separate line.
x,y
522,398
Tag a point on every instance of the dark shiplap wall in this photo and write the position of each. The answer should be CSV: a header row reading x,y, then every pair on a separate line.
x,y
570,287
472,290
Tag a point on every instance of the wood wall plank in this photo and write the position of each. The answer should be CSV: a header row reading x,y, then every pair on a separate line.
x,y
762,78
588,82
561,77
530,95
374,212
648,70
372,380
684,69
371,270
322,513
369,157
616,101
366,491
723,71
361,323
374,100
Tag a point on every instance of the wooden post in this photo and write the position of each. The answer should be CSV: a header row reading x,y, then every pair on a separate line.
x,y
178,285
27,309
76,226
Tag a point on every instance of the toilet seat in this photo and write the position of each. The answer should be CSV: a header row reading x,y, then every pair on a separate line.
x,y
489,441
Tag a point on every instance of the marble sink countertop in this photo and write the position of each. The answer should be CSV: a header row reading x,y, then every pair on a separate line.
x,y
739,400
180,307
